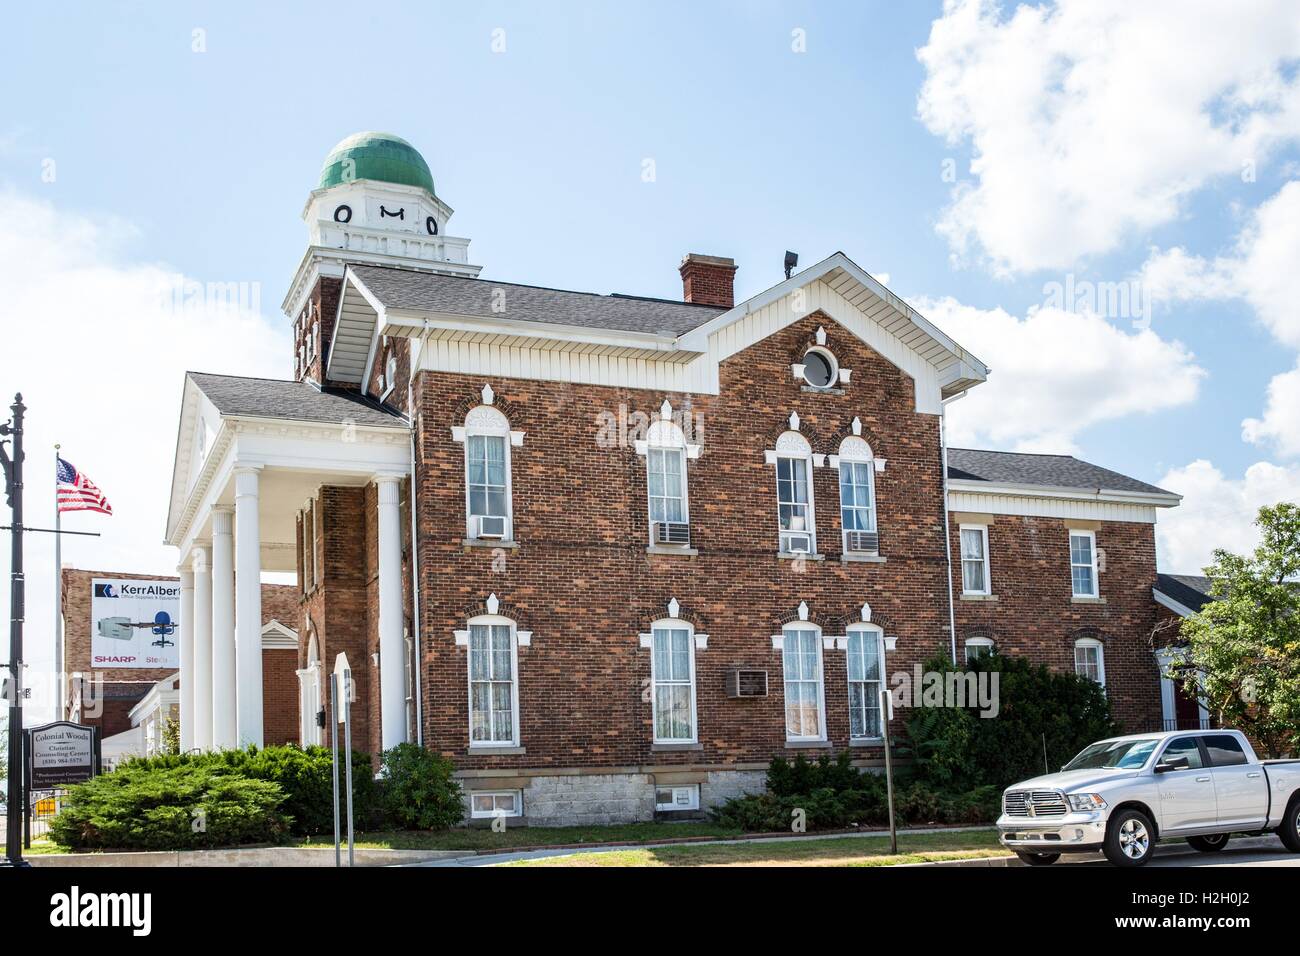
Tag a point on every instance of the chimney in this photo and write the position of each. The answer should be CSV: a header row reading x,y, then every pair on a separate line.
x,y
708,280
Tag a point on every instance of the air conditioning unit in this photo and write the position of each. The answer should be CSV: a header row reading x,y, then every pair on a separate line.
x,y
491,526
672,532
746,683
796,542
864,542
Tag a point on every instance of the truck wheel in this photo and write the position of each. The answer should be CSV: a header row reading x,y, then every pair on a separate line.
x,y
1212,843
1289,831
1130,839
1037,859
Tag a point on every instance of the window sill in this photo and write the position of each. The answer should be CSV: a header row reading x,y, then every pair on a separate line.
x,y
669,748
670,549
867,742
824,390
849,557
1076,599
489,543
807,745
494,751
796,555
979,597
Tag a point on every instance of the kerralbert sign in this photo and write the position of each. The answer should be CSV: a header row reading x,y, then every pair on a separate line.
x,y
59,754
133,623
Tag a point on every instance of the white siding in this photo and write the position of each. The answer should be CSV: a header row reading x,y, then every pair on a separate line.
x,y
1050,507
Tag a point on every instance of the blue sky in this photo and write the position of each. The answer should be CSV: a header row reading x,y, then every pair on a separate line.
x,y
200,162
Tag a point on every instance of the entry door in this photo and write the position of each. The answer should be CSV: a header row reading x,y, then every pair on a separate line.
x,y
1187,799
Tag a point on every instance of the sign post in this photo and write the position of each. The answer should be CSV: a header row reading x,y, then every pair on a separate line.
x,y
334,776
342,681
886,713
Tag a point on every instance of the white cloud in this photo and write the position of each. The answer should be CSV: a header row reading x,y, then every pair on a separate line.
x,y
1057,372
1091,119
98,347
1217,512
1260,270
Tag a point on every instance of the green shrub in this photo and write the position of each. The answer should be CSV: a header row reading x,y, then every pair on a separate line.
x,y
302,774
418,789
1042,714
187,806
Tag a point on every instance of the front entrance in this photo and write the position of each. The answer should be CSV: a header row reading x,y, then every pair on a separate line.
x,y
1180,710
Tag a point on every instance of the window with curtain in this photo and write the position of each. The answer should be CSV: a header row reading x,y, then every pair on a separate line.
x,y
492,684
1083,563
792,494
864,666
666,468
802,666
857,503
974,559
673,675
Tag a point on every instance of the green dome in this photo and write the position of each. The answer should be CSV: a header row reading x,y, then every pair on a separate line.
x,y
379,156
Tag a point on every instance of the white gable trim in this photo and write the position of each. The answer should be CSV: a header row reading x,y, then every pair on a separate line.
x,y
277,637
1182,610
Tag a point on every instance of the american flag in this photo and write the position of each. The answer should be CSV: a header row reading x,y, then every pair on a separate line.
x,y
78,493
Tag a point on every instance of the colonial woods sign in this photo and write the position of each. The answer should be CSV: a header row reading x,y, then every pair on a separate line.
x,y
60,754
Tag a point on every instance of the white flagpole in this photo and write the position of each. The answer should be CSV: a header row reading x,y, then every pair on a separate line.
x,y
58,596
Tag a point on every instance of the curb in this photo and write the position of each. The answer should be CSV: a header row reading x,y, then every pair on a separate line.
x,y
243,857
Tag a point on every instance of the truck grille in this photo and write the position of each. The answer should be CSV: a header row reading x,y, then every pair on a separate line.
x,y
1034,803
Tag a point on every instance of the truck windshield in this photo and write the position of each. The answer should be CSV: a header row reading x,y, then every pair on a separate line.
x,y
1113,755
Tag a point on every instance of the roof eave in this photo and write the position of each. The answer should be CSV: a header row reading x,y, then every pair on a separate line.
x,y
1162,499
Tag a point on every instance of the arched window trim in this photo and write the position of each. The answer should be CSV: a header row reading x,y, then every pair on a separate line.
x,y
488,421
981,642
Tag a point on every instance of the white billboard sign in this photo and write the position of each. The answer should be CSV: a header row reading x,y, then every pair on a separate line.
x,y
134,623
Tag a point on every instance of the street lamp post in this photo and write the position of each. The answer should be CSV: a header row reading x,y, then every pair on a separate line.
x,y
13,472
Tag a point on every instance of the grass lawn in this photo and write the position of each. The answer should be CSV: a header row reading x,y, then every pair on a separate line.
x,y
843,851
485,839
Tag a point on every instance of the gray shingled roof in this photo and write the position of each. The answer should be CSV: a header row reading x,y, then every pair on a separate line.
x,y
1189,590
1055,471
295,401
457,295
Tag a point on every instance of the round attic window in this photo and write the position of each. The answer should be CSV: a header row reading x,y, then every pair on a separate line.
x,y
819,368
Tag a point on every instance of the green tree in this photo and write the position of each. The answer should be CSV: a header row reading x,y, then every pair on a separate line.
x,y
1244,648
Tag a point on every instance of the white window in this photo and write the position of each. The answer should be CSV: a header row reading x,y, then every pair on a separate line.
x,y
309,697
857,495
793,459
1090,660
666,482
974,559
1083,563
485,804
866,655
978,647
677,798
801,659
493,690
672,671
487,474
820,369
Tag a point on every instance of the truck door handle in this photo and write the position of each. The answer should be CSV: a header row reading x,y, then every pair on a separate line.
x,y
1252,775
1202,779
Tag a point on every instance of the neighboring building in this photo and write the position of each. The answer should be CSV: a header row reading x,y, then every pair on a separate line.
x,y
1178,596
121,695
611,554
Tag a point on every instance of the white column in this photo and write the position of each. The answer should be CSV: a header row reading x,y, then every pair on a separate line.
x,y
186,641
224,726
201,678
248,608
392,648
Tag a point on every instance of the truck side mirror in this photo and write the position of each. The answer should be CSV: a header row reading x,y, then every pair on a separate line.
x,y
1173,763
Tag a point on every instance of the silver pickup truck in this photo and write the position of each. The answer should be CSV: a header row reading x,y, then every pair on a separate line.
x,y
1122,795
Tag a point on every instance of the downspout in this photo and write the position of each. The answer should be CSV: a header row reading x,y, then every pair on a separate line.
x,y
417,667
947,538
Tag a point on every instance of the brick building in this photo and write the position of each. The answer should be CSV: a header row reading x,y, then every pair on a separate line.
x,y
105,696
612,554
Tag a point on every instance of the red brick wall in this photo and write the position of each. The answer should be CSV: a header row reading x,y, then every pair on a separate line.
x,y
582,581
280,696
322,305
1034,615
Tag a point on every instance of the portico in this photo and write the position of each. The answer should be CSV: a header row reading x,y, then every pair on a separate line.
x,y
249,454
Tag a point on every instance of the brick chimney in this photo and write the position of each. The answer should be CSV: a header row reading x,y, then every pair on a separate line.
x,y
708,280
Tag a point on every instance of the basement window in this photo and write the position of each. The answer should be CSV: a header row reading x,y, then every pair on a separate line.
x,y
485,804
668,799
